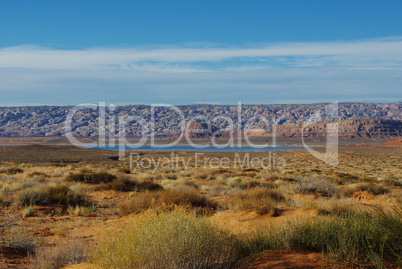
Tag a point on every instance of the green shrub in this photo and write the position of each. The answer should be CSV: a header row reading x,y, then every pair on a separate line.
x,y
14,170
30,196
235,182
81,210
392,182
34,174
171,176
92,178
58,164
202,175
28,212
250,184
125,184
64,196
367,179
220,171
269,185
243,183
373,188
148,185
124,170
169,240
53,195
345,176
189,184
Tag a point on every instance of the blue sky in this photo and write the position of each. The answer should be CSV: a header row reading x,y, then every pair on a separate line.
x,y
183,52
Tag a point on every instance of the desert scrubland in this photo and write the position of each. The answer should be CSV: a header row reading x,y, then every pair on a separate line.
x,y
63,206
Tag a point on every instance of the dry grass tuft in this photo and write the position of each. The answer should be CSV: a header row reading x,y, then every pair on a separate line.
x,y
312,185
65,252
12,234
261,200
168,240
166,200
373,188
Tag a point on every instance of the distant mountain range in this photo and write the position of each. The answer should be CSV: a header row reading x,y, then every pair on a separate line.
x,y
41,121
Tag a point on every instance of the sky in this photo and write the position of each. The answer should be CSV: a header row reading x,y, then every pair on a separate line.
x,y
184,52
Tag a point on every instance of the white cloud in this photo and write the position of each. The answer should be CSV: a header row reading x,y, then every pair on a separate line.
x,y
43,58
364,70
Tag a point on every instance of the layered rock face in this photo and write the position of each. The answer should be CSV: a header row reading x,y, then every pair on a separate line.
x,y
346,129
49,121
393,142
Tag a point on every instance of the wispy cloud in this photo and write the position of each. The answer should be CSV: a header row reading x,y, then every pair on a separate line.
x,y
366,70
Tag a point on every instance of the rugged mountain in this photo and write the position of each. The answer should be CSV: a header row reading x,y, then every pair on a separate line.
x,y
50,120
200,130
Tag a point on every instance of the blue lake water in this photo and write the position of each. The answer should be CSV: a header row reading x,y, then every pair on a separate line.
x,y
188,148
192,148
